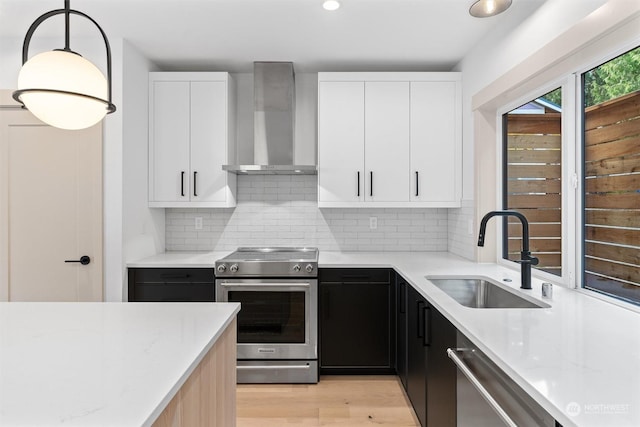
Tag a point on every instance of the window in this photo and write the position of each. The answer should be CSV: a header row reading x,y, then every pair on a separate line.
x,y
611,177
596,228
532,179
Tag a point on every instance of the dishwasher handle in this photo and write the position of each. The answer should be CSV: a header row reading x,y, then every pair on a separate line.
x,y
483,391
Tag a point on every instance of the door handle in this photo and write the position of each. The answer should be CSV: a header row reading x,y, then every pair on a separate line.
x,y
426,341
358,183
371,186
420,320
195,179
417,190
182,183
84,260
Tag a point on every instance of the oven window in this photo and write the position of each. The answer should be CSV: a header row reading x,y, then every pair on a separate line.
x,y
270,317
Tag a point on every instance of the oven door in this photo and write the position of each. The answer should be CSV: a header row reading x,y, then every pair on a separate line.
x,y
277,319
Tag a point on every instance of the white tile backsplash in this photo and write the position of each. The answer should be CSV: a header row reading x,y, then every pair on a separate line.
x,y
461,221
282,210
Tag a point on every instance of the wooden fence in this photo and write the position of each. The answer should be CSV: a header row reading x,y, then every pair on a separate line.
x,y
612,189
534,185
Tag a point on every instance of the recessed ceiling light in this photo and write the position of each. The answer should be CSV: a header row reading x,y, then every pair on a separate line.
x,y
331,4
486,8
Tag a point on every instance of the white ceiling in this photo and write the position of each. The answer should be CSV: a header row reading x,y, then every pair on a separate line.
x,y
375,35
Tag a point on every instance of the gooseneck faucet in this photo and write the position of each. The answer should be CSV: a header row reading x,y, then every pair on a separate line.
x,y
526,260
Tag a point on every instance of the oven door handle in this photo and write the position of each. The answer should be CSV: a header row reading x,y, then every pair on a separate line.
x,y
262,284
262,367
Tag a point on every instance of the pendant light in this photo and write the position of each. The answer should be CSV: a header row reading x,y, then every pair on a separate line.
x,y
60,87
487,8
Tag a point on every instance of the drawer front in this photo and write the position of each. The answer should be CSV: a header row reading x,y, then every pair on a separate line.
x,y
173,292
171,285
354,275
173,275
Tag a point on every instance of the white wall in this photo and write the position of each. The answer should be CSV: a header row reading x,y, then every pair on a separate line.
x,y
142,227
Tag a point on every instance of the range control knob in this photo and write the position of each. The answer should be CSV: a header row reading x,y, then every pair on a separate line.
x,y
309,268
233,268
222,268
296,268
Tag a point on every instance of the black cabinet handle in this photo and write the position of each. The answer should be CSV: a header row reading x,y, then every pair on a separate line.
x,y
84,260
417,191
371,186
403,297
427,326
182,183
358,183
195,175
420,319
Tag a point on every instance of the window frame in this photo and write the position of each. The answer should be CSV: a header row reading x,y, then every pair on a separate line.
x,y
572,176
568,167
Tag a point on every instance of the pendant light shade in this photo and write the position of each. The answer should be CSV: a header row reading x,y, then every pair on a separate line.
x,y
62,88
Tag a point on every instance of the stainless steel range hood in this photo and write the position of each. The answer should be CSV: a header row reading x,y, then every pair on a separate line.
x,y
274,122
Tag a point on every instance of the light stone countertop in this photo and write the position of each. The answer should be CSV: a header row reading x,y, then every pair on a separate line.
x,y
582,352
100,364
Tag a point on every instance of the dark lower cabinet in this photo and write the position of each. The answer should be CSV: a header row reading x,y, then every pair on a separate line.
x,y
171,285
416,354
431,377
401,329
357,321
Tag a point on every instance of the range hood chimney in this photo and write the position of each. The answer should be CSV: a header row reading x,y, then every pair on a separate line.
x,y
274,122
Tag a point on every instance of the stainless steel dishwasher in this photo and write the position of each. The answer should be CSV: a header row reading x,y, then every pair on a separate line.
x,y
487,397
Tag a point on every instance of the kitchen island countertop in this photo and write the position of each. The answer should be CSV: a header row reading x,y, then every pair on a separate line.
x,y
100,364
579,359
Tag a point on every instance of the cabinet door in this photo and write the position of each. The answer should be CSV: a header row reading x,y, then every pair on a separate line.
x,y
208,182
387,141
401,329
340,142
416,354
169,148
434,142
441,372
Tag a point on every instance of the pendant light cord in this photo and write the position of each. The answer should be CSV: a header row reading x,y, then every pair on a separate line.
x,y
67,15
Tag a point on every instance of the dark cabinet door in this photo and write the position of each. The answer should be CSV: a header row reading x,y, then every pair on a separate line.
x,y
401,329
441,372
357,330
171,285
416,354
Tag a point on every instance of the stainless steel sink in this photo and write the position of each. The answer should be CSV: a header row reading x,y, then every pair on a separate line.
x,y
480,292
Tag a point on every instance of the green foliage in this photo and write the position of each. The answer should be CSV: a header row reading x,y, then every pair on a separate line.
x,y
613,79
555,96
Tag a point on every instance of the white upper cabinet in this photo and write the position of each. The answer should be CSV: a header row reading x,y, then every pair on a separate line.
x,y
389,140
341,128
386,156
190,138
436,143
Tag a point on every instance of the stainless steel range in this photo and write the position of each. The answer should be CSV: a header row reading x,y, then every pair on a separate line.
x,y
277,323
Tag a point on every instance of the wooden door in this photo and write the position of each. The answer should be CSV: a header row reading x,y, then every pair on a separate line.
x,y
169,168
340,142
50,210
387,141
434,142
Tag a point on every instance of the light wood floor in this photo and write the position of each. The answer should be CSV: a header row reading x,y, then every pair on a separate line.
x,y
335,401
